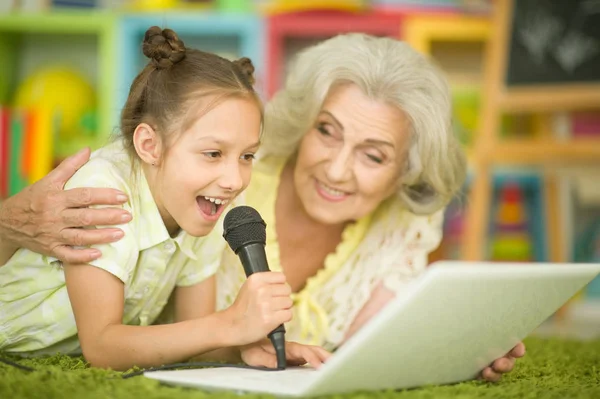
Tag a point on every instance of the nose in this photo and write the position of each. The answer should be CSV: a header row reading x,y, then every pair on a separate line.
x,y
339,168
231,178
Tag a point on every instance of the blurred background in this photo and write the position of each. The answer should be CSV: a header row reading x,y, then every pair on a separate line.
x,y
525,78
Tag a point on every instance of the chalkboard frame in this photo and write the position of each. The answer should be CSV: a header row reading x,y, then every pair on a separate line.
x,y
554,42
536,97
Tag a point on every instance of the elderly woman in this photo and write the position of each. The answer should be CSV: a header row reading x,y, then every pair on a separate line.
x,y
357,164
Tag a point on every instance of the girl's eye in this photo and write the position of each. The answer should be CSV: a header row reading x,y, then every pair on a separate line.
x,y
212,154
249,157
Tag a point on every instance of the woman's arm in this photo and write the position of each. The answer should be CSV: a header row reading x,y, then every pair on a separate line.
x,y
379,298
46,219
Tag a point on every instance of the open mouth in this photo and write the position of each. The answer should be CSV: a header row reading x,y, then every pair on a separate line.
x,y
210,206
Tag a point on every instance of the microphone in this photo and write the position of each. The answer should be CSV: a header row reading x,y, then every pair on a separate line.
x,y
244,231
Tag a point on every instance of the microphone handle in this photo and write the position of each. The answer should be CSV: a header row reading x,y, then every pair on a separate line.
x,y
254,260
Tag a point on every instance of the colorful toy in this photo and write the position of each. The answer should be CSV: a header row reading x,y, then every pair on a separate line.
x,y
511,239
62,91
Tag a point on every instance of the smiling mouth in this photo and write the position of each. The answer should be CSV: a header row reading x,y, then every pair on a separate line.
x,y
210,205
330,192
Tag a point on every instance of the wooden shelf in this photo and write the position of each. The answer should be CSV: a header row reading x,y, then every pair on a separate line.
x,y
318,25
241,35
563,98
422,30
528,152
57,22
502,97
99,24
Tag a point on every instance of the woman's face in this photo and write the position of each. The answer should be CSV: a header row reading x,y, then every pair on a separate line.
x,y
350,161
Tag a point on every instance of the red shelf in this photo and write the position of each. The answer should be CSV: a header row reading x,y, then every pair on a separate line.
x,y
319,25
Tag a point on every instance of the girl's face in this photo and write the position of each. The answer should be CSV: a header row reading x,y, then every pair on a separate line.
x,y
350,161
208,166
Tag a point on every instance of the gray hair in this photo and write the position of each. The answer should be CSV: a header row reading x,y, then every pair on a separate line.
x,y
387,70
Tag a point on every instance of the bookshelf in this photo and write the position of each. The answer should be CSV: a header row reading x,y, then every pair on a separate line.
x,y
289,33
456,43
28,40
47,58
545,152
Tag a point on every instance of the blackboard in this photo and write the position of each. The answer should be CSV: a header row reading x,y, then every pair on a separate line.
x,y
554,41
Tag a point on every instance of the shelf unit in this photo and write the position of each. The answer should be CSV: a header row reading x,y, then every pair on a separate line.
x,y
491,151
56,31
289,33
531,186
460,36
230,35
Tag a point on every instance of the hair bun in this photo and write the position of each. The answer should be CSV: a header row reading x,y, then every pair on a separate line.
x,y
163,47
245,65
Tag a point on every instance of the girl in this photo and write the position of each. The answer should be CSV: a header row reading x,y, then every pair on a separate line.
x,y
181,159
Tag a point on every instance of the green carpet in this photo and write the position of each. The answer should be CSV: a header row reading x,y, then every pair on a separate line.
x,y
551,369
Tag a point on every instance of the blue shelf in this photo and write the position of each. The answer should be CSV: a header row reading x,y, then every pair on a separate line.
x,y
230,35
533,190
531,185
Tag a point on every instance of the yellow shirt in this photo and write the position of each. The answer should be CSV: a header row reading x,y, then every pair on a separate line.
x,y
35,311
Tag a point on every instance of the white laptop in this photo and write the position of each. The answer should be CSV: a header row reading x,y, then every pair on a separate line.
x,y
454,321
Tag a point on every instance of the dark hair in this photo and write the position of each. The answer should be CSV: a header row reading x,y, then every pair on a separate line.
x,y
175,79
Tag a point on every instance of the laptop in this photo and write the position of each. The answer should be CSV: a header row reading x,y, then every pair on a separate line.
x,y
453,322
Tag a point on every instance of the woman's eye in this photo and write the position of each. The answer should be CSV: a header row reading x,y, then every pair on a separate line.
x,y
323,130
212,154
248,157
375,158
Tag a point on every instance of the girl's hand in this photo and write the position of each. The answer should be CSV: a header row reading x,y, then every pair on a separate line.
x,y
504,364
262,304
262,354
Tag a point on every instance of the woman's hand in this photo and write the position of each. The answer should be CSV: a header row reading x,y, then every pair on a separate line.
x,y
262,354
46,219
503,365
262,304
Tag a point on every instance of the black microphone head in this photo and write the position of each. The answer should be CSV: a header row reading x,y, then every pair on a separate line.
x,y
242,226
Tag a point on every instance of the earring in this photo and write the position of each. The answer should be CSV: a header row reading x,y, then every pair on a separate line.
x,y
153,163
